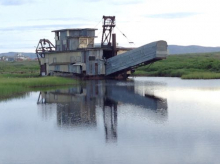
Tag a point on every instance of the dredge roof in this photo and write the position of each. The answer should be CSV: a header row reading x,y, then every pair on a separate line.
x,y
74,29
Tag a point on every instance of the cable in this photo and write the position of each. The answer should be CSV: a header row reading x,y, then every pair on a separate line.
x,y
125,36
98,23
113,31
121,32
99,33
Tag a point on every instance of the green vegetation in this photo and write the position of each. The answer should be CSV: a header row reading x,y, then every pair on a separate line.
x,y
190,66
13,86
21,77
19,69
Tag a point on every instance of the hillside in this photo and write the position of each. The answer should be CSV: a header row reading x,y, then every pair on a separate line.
x,y
12,54
175,49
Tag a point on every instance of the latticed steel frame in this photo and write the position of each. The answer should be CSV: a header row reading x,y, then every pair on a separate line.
x,y
108,25
44,45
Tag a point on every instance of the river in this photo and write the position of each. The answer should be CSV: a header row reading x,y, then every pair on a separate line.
x,y
138,121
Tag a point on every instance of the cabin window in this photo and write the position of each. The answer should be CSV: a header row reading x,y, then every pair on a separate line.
x,y
91,58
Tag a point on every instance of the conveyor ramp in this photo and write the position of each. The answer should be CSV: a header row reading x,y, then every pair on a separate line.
x,y
143,55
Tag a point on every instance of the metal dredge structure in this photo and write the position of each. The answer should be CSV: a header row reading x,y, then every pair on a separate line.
x,y
74,54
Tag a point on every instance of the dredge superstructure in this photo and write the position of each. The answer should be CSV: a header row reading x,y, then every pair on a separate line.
x,y
74,54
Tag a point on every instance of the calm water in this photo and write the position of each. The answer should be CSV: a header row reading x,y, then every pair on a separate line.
x,y
143,120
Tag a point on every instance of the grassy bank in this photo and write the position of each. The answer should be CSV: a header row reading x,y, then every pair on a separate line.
x,y
190,66
23,76
12,86
19,69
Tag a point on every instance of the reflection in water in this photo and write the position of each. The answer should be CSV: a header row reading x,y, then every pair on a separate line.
x,y
15,96
110,119
77,106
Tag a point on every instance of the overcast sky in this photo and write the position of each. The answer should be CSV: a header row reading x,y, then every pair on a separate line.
x,y
179,22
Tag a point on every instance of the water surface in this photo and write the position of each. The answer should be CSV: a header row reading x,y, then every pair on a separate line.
x,y
142,120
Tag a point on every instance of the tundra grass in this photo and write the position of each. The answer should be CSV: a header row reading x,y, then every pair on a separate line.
x,y
201,75
17,78
190,66
13,86
20,69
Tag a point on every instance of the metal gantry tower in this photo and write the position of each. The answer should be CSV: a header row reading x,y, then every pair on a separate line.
x,y
108,25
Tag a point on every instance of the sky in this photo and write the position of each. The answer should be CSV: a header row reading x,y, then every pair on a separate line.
x,y
179,22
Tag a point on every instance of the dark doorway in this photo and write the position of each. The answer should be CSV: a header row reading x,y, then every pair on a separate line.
x,y
43,69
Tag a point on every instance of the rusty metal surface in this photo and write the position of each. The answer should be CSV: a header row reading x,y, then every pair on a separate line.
x,y
128,60
108,25
114,52
44,45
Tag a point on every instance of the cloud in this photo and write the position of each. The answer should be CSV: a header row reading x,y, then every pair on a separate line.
x,y
126,2
92,0
41,27
62,19
14,2
117,2
172,15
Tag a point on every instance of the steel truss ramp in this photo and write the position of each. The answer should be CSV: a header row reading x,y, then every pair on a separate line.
x,y
137,57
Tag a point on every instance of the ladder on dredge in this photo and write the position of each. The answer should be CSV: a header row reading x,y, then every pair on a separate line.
x,y
143,55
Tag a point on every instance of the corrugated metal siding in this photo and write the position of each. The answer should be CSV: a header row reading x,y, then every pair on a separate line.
x,y
73,43
65,58
62,62
63,68
63,40
71,39
161,50
136,56
101,64
96,66
75,69
50,69
91,33
74,33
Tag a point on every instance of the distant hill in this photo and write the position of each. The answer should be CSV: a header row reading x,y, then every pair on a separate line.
x,y
175,49
12,54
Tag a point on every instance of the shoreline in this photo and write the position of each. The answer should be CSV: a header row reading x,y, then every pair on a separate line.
x,y
17,86
185,77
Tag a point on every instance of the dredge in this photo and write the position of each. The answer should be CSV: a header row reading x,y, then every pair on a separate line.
x,y
75,54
